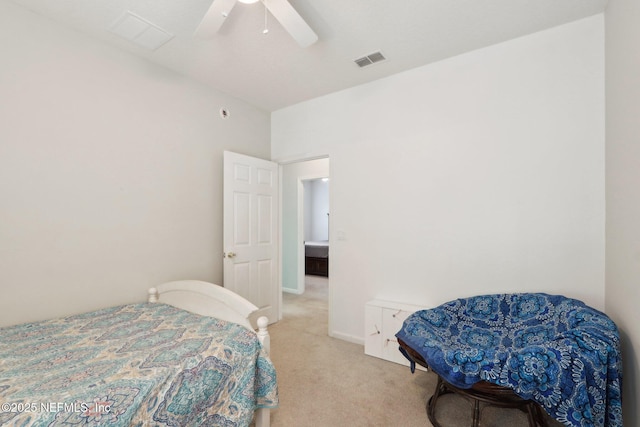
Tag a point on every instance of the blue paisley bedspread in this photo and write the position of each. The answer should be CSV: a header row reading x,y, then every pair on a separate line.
x,y
133,365
550,349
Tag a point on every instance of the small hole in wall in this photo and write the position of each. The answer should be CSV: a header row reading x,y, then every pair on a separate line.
x,y
224,113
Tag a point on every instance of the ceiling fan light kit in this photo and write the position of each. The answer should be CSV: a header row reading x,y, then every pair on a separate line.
x,y
280,9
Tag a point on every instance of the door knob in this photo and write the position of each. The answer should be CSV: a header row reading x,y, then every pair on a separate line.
x,y
230,255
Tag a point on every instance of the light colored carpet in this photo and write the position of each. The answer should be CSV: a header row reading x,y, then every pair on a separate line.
x,y
324,381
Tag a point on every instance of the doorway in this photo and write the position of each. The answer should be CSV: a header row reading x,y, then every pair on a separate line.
x,y
305,224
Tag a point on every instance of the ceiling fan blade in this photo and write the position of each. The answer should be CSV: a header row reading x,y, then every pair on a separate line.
x,y
214,18
291,21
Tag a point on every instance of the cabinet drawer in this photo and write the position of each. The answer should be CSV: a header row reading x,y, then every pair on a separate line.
x,y
392,320
373,331
383,319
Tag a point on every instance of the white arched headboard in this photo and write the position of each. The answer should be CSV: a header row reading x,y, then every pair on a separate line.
x,y
209,299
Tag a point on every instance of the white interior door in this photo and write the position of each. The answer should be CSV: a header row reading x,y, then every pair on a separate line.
x,y
251,231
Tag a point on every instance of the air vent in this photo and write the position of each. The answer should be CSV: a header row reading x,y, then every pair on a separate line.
x,y
372,58
140,31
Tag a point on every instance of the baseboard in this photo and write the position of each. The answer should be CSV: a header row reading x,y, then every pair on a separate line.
x,y
292,291
347,337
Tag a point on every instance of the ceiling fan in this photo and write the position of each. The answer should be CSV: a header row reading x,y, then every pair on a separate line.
x,y
280,9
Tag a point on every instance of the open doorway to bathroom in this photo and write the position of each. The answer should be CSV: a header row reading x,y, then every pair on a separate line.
x,y
315,220
305,241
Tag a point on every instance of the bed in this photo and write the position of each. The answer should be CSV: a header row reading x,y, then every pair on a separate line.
x,y
316,254
187,357
527,350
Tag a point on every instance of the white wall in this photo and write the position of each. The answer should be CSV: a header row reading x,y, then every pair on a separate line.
x,y
481,173
307,209
316,210
292,176
623,180
110,171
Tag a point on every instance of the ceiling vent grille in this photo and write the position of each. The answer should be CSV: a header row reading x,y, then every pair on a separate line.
x,y
140,31
372,58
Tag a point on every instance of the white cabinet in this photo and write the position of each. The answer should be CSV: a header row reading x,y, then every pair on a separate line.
x,y
383,319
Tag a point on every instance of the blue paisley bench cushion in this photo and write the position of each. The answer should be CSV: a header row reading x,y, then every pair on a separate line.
x,y
133,365
548,348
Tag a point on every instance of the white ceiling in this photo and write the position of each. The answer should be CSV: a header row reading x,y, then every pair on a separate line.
x,y
271,71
